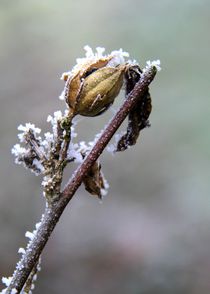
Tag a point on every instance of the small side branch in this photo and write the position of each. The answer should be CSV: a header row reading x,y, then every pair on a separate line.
x,y
53,212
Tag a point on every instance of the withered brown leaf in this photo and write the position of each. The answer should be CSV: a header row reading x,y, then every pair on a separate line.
x,y
138,116
94,180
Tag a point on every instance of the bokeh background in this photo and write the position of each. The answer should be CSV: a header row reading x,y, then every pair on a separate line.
x,y
151,234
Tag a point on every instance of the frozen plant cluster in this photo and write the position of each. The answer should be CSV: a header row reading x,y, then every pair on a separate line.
x,y
49,155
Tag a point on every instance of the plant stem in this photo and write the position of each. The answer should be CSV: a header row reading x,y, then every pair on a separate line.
x,y
53,212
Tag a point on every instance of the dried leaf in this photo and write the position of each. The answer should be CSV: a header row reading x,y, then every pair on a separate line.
x,y
94,181
138,116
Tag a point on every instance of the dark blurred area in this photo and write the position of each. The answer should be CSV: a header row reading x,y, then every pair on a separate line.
x,y
151,233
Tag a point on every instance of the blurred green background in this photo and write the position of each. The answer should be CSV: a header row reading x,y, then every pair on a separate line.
x,y
151,234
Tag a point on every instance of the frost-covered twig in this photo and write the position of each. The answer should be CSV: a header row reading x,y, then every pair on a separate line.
x,y
53,213
50,156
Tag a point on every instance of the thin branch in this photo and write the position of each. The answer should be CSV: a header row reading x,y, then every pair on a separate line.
x,y
53,212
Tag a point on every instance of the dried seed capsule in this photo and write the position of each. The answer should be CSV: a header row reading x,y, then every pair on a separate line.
x,y
93,88
99,89
74,80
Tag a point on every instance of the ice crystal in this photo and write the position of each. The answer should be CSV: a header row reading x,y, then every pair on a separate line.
x,y
18,151
25,129
48,141
13,291
111,148
54,121
6,281
62,96
117,57
21,250
155,63
74,152
38,165
29,235
104,191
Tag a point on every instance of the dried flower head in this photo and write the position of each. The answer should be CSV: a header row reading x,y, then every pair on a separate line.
x,y
95,81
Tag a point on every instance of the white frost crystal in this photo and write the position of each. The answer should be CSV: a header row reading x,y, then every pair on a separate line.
x,y
155,63
43,147
117,57
54,121
23,155
17,150
6,281
73,152
25,129
104,191
29,235
21,250
46,143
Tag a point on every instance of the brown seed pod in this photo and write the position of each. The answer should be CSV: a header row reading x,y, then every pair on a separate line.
x,y
99,90
93,88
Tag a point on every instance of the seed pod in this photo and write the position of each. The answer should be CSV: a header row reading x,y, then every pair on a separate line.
x,y
74,80
99,90
92,89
